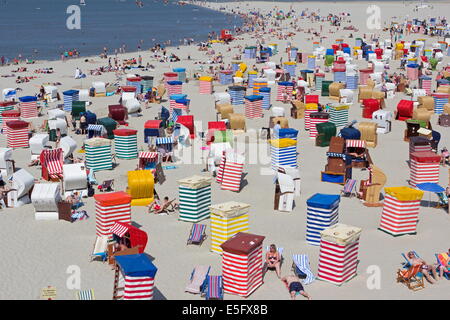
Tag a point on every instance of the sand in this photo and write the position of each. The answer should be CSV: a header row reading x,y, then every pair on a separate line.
x,y
36,254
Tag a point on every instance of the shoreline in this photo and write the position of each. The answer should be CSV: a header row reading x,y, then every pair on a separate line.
x,y
215,6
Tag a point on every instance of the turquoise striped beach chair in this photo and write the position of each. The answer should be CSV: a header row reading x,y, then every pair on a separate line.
x,y
302,269
85,295
214,288
197,234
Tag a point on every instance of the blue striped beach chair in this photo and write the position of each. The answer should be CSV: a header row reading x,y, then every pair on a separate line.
x,y
214,288
302,269
197,234
348,188
85,295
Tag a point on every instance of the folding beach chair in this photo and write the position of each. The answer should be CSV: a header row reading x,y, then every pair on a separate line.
x,y
443,260
197,234
348,188
107,185
412,277
213,288
100,248
85,295
302,269
443,200
197,281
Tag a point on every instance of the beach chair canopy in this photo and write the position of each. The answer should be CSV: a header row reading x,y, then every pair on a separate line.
x,y
138,237
136,265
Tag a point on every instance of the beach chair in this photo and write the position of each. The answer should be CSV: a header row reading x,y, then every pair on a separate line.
x,y
412,277
302,269
85,295
348,188
197,234
214,288
443,259
197,281
100,248
52,161
106,185
160,91
443,200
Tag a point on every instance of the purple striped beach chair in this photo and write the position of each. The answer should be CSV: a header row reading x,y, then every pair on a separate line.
x,y
197,234
348,188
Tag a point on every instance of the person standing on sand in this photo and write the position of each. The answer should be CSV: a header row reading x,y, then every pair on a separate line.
x,y
295,286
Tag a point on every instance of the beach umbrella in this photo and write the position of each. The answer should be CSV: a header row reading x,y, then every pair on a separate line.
x,y
430,187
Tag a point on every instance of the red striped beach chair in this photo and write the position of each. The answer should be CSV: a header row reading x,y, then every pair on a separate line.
x,y
52,161
197,234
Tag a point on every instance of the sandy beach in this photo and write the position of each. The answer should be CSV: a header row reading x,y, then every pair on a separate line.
x,y
37,254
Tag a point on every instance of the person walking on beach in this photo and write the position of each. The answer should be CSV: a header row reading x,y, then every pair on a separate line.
x,y
295,286
3,60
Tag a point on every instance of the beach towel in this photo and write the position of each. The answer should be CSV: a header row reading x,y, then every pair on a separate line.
x,y
197,279
301,262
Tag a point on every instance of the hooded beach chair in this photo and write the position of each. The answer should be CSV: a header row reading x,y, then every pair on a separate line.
x,y
197,281
197,234
302,269
213,288
100,248
443,260
348,188
412,277
85,295
52,161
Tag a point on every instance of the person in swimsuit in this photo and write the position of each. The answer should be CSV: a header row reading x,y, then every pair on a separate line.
x,y
426,268
295,286
273,260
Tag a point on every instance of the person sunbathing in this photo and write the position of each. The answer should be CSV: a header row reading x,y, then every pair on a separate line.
x,y
295,286
158,206
273,259
426,268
